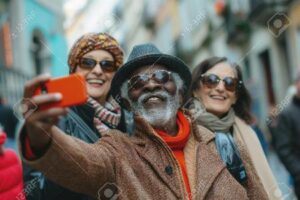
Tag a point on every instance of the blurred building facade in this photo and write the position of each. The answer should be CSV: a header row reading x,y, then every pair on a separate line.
x,y
89,16
262,36
32,42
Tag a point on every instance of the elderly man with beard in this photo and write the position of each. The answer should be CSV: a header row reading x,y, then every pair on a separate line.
x,y
166,157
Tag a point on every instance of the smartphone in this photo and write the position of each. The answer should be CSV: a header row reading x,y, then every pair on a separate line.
x,y
72,88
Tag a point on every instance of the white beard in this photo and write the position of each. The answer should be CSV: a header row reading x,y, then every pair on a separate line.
x,y
158,117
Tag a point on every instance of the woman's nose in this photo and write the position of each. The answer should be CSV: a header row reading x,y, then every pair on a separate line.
x,y
97,69
220,86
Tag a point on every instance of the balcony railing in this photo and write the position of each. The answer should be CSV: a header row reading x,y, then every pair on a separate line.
x,y
12,84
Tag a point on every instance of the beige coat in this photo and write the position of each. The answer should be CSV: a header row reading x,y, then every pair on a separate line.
x,y
143,167
247,136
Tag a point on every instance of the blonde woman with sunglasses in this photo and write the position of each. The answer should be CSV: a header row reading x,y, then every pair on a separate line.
x,y
221,103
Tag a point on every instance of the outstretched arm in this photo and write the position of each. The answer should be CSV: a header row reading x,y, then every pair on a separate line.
x,y
76,165
67,161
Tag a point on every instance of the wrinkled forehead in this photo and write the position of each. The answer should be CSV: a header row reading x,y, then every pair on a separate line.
x,y
148,69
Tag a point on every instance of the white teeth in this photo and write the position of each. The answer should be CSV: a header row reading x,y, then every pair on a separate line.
x,y
218,97
95,81
153,98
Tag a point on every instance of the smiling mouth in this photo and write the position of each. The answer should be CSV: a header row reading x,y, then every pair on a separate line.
x,y
218,97
154,99
96,82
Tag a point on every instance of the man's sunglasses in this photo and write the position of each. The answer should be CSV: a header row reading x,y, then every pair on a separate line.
x,y
106,65
139,81
212,81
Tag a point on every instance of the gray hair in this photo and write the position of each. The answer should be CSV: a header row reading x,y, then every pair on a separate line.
x,y
177,79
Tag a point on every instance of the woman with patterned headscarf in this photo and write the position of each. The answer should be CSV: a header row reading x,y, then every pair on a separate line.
x,y
97,56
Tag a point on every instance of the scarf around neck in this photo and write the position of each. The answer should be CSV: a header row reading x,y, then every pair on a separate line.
x,y
177,144
209,120
225,143
178,141
106,117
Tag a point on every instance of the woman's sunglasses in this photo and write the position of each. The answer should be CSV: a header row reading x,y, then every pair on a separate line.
x,y
139,81
212,81
106,65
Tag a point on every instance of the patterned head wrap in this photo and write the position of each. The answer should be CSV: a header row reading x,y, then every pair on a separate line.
x,y
94,41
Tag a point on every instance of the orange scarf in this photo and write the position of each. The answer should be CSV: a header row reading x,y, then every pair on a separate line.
x,y
177,143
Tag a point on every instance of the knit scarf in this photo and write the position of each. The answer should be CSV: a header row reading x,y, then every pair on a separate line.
x,y
225,143
209,120
107,116
177,144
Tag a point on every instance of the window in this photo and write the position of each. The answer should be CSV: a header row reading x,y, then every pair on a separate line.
x,y
40,54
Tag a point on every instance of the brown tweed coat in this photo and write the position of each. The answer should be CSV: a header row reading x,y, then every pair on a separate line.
x,y
143,167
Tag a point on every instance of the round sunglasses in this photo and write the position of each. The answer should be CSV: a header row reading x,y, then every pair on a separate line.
x,y
139,81
90,63
212,81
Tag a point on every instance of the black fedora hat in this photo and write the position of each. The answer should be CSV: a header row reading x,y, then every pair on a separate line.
x,y
148,54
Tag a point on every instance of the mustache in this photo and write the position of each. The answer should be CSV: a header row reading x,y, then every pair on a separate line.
x,y
161,94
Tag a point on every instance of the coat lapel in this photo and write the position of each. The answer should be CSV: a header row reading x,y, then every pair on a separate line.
x,y
149,146
209,164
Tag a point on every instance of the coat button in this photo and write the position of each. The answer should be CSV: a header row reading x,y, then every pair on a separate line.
x,y
169,170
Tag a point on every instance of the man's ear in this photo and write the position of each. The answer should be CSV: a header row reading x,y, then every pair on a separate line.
x,y
126,104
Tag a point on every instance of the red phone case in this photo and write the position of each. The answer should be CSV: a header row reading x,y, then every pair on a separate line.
x,y
72,88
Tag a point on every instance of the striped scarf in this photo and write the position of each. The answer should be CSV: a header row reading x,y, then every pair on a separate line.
x,y
107,116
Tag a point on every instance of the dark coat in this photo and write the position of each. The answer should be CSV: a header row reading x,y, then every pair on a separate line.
x,y
84,129
286,137
8,120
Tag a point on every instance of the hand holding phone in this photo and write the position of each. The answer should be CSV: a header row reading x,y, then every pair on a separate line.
x,y
72,88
